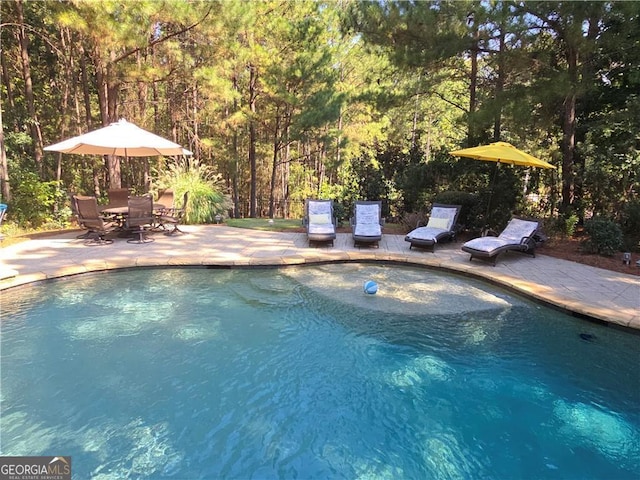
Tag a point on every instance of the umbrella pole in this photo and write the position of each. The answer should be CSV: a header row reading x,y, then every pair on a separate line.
x,y
491,183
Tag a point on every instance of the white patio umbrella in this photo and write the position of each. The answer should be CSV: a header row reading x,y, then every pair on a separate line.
x,y
121,138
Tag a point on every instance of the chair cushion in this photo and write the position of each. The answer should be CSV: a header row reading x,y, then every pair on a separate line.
x,y
444,212
517,229
425,233
367,214
319,218
367,230
320,228
488,244
441,223
320,206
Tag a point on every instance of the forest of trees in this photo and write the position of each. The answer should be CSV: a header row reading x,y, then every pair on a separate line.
x,y
343,99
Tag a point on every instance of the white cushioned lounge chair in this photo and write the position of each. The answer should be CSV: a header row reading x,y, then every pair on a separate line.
x,y
319,221
440,227
517,236
367,222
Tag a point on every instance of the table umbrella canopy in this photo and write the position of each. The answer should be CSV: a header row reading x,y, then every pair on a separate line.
x,y
121,138
502,152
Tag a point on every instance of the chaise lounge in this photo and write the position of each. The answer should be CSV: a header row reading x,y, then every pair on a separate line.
x,y
518,236
319,221
440,227
366,223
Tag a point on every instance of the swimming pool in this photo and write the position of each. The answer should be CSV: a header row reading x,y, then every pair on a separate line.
x,y
295,372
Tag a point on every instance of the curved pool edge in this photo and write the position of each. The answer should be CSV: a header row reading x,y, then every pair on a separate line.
x,y
546,294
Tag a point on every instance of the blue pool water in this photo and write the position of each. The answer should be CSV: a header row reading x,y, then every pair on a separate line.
x,y
297,373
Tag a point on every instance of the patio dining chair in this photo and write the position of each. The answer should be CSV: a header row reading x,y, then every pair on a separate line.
x,y
118,197
173,216
166,199
89,218
140,218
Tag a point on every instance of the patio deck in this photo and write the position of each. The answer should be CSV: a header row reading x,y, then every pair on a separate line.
x,y
586,291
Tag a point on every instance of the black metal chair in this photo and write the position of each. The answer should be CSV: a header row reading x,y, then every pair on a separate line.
x,y
89,218
140,218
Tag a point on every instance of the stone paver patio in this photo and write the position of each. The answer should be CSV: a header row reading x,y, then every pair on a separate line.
x,y
583,290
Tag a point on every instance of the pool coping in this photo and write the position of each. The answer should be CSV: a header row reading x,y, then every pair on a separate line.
x,y
586,292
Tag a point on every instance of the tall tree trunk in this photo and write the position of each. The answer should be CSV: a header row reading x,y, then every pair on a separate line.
x,y
569,133
497,123
274,165
34,124
416,113
339,138
112,87
253,196
5,189
86,95
88,117
235,167
6,81
102,89
473,85
196,132
142,92
285,175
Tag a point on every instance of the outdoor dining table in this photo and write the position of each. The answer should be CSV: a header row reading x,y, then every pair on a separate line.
x,y
120,213
125,210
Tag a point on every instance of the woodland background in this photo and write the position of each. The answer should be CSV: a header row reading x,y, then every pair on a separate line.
x,y
285,100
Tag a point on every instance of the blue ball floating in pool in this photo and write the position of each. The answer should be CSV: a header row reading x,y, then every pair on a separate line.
x,y
370,287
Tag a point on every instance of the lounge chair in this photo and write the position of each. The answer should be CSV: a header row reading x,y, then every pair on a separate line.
x,y
367,222
440,227
90,218
319,221
518,236
140,218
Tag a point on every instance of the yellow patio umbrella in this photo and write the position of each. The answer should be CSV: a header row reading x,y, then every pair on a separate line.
x,y
501,152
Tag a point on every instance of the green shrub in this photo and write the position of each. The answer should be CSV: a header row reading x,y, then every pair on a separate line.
x,y
341,212
38,204
604,236
206,199
570,223
561,226
631,218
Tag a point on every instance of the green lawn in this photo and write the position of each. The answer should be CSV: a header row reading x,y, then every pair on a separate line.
x,y
293,224
275,225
